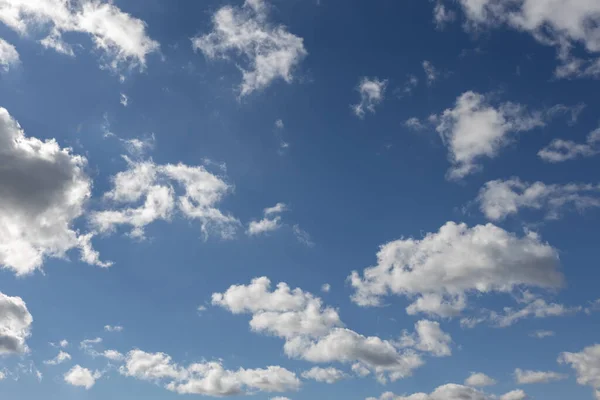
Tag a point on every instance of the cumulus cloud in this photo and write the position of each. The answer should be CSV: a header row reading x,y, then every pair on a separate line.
x,y
207,378
59,359
328,375
271,222
15,325
560,150
478,379
325,288
452,391
499,199
526,377
9,57
372,93
314,332
270,51
121,38
113,328
44,189
564,25
113,355
475,129
439,271
154,192
586,364
82,377
428,337
537,308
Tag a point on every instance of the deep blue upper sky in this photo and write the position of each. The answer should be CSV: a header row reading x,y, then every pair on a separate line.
x,y
349,182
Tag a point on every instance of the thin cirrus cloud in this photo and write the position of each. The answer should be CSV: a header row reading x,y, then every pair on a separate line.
x,y
121,38
372,93
270,52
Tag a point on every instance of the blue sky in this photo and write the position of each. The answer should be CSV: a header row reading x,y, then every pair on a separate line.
x,y
299,199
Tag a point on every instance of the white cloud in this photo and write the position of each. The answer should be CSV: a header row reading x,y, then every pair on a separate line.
x,y
586,364
279,124
113,355
560,150
59,359
9,57
442,16
527,377
541,334
208,378
478,379
372,93
263,226
537,308
325,288
474,129
279,398
111,328
452,391
302,236
328,375
440,270
63,343
270,50
313,332
43,192
499,199
428,337
563,24
360,370
276,209
414,123
124,100
120,37
15,325
82,377
431,73
155,191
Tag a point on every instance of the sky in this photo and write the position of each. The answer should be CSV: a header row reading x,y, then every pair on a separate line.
x,y
299,199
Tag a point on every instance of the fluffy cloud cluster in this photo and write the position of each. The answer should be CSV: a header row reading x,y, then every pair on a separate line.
x,y
478,379
528,377
9,57
441,269
499,199
453,391
149,192
15,325
560,150
563,24
208,378
474,129
270,222
328,375
372,92
315,333
121,38
59,359
44,189
587,365
82,377
271,51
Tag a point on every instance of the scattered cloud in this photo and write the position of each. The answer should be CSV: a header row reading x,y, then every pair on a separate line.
x,y
302,236
124,100
414,124
121,38
475,129
328,375
485,259
276,209
431,73
325,288
527,377
279,124
442,16
372,93
541,334
560,150
411,83
82,377
263,226
428,337
9,57
59,359
478,379
586,364
113,328
453,391
15,325
113,355
270,51
499,199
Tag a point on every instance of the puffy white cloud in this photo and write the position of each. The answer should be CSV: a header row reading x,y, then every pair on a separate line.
x,y
15,325
586,364
208,378
451,391
276,209
44,189
328,375
560,150
270,50
517,394
113,328
124,100
59,359
120,37
431,73
537,308
313,332
155,191
474,129
428,337
563,24
113,355
82,377
9,57
444,267
479,379
541,334
414,124
263,226
526,377
372,93
326,288
499,199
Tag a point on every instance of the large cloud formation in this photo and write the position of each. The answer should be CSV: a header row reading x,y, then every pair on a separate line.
x,y
440,270
587,365
271,51
15,325
44,189
120,37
